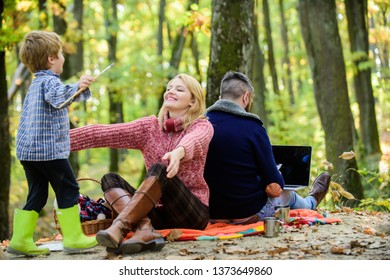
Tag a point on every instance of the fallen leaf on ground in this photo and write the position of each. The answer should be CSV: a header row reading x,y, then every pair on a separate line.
x,y
340,250
113,256
192,257
173,235
277,251
369,231
186,252
347,210
355,244
337,250
312,252
240,250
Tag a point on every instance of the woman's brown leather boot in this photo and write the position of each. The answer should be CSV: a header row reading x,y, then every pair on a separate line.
x,y
117,198
142,202
144,238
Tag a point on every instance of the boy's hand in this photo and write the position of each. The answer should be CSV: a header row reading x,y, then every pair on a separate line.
x,y
273,190
85,81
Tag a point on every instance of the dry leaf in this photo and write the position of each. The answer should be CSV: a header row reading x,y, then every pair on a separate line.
x,y
335,186
346,194
337,250
347,155
316,247
347,210
192,257
113,256
226,242
335,195
311,252
43,240
218,250
328,165
173,235
240,250
184,252
369,231
356,244
277,251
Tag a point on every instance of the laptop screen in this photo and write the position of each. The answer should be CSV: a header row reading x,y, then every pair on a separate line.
x,y
294,164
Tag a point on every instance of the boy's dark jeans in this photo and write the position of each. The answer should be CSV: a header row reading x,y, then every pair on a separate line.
x,y
59,174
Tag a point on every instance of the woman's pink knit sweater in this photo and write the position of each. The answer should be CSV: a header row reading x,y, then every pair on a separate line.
x,y
146,135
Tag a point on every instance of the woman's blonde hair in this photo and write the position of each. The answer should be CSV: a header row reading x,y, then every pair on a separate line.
x,y
36,48
197,110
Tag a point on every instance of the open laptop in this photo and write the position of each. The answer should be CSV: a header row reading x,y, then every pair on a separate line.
x,y
294,163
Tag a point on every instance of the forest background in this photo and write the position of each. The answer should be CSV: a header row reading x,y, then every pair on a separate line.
x,y
320,70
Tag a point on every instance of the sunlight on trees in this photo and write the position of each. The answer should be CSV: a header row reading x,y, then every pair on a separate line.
x,y
140,72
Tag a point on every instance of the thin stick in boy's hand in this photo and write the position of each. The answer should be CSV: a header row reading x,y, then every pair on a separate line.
x,y
83,88
104,70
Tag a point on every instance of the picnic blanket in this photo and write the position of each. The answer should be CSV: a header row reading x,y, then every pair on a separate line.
x,y
223,231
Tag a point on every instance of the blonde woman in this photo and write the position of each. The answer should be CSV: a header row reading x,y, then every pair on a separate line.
x,y
174,193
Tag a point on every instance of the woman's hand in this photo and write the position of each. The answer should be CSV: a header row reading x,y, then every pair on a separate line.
x,y
273,190
173,159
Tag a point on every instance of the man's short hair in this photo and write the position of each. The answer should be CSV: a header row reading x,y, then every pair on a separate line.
x,y
235,84
36,48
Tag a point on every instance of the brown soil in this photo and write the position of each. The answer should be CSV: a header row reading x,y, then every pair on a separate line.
x,y
361,235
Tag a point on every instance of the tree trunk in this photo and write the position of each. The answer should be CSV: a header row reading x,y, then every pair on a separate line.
x,y
231,46
195,54
116,105
43,18
76,61
323,44
5,151
356,11
384,46
286,59
76,58
60,26
271,63
271,58
259,102
161,19
177,50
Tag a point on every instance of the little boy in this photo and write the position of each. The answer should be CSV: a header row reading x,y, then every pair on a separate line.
x,y
43,147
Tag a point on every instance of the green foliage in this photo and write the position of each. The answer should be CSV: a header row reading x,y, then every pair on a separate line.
x,y
375,204
9,36
377,193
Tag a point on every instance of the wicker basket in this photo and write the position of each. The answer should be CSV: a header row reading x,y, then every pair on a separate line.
x,y
89,227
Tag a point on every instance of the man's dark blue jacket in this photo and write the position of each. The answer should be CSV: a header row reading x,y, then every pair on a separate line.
x,y
239,164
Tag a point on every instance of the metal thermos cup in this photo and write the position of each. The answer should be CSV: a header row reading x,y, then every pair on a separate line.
x,y
282,213
271,227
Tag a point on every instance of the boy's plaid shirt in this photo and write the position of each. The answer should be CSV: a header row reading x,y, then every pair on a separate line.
x,y
43,132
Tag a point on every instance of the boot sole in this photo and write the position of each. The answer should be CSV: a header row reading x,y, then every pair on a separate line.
x,y
136,247
105,240
20,253
70,251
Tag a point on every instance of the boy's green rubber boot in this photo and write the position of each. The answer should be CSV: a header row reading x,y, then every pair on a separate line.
x,y
74,239
22,242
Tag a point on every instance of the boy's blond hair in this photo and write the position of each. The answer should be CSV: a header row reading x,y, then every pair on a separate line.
x,y
36,48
